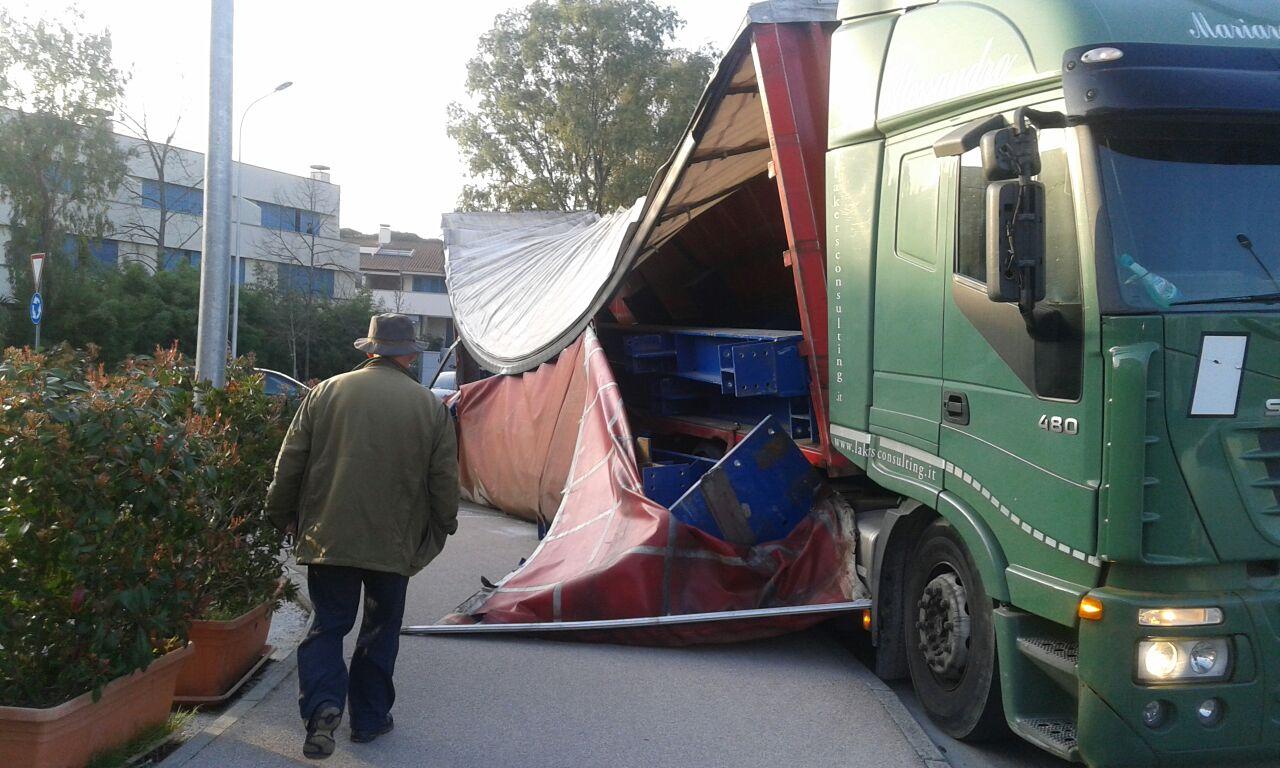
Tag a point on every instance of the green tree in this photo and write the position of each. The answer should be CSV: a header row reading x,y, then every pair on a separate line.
x,y
126,311
575,104
130,311
265,317
59,160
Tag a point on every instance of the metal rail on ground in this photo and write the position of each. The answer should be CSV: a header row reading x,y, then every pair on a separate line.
x,y
636,623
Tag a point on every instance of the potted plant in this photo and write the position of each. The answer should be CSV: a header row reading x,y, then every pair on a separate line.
x,y
104,489
243,584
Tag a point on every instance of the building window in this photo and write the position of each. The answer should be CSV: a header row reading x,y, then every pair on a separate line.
x,y
428,284
309,222
296,278
177,198
177,258
104,252
57,181
279,217
383,282
107,252
289,219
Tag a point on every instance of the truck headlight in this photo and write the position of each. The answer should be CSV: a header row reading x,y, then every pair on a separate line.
x,y
1169,660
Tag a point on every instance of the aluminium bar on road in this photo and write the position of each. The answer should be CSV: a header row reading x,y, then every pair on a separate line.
x,y
641,622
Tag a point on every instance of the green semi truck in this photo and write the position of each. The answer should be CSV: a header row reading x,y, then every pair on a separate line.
x,y
1054,326
1008,271
1031,263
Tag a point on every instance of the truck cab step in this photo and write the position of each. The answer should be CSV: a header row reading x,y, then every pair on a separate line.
x,y
1057,658
1056,735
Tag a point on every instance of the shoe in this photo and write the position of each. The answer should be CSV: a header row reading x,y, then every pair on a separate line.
x,y
320,728
364,737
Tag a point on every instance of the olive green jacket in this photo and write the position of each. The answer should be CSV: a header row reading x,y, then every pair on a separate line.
x,y
369,471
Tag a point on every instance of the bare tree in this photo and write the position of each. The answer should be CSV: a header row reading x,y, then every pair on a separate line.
x,y
296,241
168,162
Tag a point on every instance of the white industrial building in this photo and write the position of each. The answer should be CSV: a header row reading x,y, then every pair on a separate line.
x,y
288,231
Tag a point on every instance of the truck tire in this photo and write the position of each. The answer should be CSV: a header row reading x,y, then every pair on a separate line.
x,y
950,637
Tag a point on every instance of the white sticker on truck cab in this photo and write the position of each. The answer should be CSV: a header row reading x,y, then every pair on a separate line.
x,y
1217,388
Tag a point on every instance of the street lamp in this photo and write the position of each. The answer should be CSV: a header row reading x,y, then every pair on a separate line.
x,y
235,263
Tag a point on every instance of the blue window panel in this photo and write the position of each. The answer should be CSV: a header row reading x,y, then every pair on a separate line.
x,y
105,251
324,282
71,250
177,198
309,222
57,181
293,278
428,284
175,258
289,219
150,196
279,217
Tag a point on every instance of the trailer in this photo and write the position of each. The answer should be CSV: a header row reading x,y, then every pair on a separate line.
x,y
1006,273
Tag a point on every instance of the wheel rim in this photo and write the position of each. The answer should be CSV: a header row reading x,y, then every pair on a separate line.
x,y
942,626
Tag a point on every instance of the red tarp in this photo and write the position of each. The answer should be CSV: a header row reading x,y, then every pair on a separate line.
x,y
612,553
516,436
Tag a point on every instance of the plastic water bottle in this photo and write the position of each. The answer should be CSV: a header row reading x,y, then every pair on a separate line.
x,y
1160,290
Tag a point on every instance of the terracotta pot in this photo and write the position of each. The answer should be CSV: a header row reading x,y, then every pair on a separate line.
x,y
67,735
224,651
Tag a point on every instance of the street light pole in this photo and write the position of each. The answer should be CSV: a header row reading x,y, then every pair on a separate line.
x,y
235,264
211,332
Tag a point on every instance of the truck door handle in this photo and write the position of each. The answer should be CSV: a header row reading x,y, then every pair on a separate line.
x,y
955,408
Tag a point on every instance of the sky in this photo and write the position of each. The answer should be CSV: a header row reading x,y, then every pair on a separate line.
x,y
372,81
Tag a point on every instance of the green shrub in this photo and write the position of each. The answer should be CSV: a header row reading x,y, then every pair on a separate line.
x,y
244,546
103,493
126,511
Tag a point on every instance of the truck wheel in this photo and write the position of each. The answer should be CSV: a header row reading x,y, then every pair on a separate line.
x,y
950,637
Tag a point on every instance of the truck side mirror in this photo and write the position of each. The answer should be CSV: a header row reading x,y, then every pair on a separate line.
x,y
1015,213
1010,153
1016,243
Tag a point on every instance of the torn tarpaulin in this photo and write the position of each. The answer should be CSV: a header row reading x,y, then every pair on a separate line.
x,y
612,553
524,285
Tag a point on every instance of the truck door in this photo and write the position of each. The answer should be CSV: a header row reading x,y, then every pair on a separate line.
x,y
1020,437
909,280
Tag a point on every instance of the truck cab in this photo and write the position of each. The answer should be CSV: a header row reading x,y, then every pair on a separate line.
x,y
1053,278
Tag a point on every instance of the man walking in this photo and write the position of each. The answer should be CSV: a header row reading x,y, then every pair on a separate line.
x,y
367,477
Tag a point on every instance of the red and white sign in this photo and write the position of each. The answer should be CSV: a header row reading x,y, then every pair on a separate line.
x,y
37,263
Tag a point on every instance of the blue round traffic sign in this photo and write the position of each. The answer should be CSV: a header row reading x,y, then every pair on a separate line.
x,y
37,308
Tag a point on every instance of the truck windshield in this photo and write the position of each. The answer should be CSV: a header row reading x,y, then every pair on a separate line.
x,y
1194,221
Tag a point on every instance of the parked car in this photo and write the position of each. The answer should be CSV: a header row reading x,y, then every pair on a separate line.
x,y
446,384
277,383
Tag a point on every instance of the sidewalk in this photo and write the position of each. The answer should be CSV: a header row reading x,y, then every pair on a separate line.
x,y
799,700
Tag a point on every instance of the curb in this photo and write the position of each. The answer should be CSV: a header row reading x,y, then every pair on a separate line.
x,y
928,752
286,664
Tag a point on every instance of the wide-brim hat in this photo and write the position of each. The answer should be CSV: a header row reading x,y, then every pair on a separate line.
x,y
391,335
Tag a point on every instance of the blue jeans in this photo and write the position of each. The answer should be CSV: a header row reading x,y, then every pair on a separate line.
x,y
322,673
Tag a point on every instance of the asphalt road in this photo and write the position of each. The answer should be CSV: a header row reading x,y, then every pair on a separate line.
x,y
800,700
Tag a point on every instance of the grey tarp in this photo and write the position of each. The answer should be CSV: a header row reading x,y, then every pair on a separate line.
x,y
523,286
